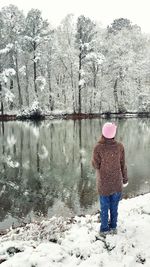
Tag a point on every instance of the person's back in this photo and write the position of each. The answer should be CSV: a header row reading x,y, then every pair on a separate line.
x,y
109,155
109,161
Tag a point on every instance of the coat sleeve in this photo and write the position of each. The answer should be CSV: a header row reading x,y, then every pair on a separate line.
x,y
96,160
123,166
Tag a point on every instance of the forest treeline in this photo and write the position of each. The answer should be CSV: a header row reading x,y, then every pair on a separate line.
x,y
76,67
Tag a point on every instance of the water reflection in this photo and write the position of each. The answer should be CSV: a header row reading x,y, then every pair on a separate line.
x,y
45,168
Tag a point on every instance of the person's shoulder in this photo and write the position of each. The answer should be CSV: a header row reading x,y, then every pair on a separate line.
x,y
120,145
97,146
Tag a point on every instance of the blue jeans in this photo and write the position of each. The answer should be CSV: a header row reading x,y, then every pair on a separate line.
x,y
109,204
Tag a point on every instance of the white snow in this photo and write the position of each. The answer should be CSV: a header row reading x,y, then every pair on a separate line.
x,y
97,57
44,153
6,49
11,163
35,131
82,82
36,59
41,82
9,96
26,165
9,72
72,242
11,140
22,70
35,105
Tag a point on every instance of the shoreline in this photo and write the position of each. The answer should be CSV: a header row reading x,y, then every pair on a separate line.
x,y
74,116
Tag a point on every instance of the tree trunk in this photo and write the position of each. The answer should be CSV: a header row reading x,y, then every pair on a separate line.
x,y
79,85
38,158
18,83
11,66
27,84
116,96
51,104
72,85
94,81
2,106
3,148
11,80
35,69
95,71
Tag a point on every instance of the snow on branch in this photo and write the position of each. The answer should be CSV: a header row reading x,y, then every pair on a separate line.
x,y
41,82
22,70
8,95
98,58
13,164
6,49
6,74
82,82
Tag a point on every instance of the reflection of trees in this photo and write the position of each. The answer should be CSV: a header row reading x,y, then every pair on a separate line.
x,y
5,203
38,158
12,201
3,146
21,151
135,134
80,152
86,188
51,141
66,173
73,149
82,181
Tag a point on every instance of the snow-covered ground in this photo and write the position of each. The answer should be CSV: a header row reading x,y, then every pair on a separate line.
x,y
73,242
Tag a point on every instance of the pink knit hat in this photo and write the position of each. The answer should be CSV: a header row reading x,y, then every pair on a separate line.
x,y
109,130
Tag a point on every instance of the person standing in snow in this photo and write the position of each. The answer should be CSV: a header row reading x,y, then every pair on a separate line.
x,y
111,176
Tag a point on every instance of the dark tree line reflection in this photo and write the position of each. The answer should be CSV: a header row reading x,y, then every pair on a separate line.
x,y
47,165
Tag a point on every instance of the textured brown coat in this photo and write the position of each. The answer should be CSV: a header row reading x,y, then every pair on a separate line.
x,y
109,161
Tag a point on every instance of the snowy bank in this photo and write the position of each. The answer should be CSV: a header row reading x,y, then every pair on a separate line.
x,y
73,242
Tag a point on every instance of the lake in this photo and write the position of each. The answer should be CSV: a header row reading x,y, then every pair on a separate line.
x,y
46,167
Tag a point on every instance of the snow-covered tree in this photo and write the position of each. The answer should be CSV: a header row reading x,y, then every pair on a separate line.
x,y
123,52
76,67
1,62
67,59
36,33
13,21
119,24
84,37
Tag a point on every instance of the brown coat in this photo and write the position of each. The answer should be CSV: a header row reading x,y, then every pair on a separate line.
x,y
109,161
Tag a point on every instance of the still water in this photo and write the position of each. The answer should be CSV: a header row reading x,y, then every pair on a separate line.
x,y
45,168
